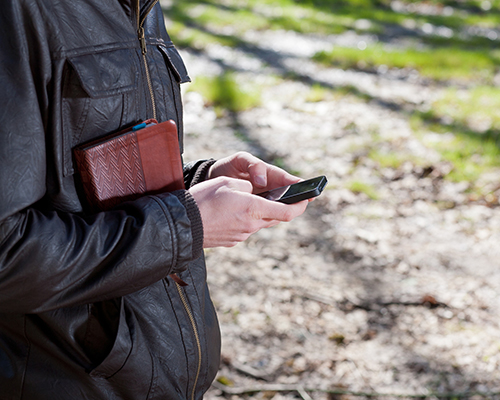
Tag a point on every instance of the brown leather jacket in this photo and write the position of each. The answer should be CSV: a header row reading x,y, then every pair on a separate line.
x,y
87,310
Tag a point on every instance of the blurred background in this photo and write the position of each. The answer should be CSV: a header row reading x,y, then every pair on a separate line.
x,y
388,285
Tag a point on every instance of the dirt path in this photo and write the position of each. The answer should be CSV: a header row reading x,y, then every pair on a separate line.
x,y
396,294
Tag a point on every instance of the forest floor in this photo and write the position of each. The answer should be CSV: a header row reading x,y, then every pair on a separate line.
x,y
389,284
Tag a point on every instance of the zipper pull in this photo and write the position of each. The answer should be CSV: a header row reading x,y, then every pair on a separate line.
x,y
142,40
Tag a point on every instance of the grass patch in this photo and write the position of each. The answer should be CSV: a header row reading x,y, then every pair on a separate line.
x,y
390,159
468,118
327,17
440,64
195,38
224,93
365,188
471,124
210,16
470,158
318,93
470,154
476,108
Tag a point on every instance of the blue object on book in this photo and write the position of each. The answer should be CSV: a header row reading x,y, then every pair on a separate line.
x,y
139,126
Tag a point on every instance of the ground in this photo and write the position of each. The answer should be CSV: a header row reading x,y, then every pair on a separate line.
x,y
387,287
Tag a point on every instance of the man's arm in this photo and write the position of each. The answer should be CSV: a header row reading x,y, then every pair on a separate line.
x,y
52,259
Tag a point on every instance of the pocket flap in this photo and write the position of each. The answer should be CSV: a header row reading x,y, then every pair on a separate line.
x,y
107,73
176,63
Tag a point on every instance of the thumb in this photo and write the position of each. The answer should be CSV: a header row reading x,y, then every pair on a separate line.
x,y
258,174
274,210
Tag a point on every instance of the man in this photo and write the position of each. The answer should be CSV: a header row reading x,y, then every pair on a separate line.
x,y
87,307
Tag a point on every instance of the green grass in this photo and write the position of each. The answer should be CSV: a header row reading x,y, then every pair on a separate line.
x,y
439,63
471,117
470,154
318,93
365,188
321,16
386,158
210,16
224,93
470,160
193,37
477,108
467,117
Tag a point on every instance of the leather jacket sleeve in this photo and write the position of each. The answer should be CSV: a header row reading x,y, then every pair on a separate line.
x,y
51,257
196,171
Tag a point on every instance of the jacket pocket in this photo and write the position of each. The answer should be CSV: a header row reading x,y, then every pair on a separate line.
x,y
174,61
172,75
129,365
97,89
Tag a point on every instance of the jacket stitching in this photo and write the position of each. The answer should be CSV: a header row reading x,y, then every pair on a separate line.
x,y
181,334
88,331
152,387
175,89
76,133
204,336
145,93
137,95
93,50
9,230
126,97
158,74
23,380
173,238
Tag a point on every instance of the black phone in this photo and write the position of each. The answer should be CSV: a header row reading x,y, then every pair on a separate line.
x,y
298,191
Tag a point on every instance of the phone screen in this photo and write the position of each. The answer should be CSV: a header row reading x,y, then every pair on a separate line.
x,y
298,191
276,194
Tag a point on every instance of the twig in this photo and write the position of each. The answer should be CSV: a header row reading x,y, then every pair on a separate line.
x,y
427,300
357,371
320,299
303,393
255,389
252,372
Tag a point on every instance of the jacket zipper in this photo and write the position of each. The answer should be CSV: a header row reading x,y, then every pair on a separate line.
x,y
144,49
196,336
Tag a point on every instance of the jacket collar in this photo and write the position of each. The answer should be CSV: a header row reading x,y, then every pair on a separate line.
x,y
130,7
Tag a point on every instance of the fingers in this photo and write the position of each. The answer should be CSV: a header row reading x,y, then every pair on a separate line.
x,y
239,185
254,167
245,166
278,177
276,211
261,174
264,175
230,212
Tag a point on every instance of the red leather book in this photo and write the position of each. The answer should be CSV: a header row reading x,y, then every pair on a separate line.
x,y
144,159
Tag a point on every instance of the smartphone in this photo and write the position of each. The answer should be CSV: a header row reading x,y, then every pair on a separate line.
x,y
297,192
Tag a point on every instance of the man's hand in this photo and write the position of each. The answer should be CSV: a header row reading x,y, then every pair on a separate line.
x,y
231,213
245,166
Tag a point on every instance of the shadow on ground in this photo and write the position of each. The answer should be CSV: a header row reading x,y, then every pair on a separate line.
x,y
383,314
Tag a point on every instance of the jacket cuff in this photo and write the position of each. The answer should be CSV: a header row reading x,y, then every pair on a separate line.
x,y
196,172
194,216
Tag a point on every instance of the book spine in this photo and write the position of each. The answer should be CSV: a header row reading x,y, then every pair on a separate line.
x,y
89,184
